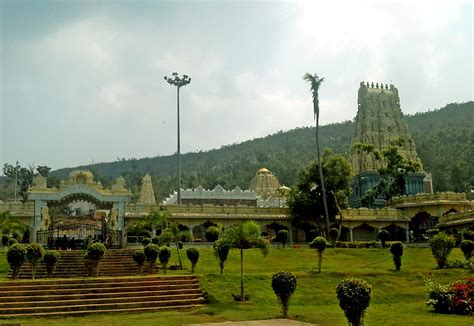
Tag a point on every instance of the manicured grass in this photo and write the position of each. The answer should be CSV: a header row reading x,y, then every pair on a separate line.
x,y
398,297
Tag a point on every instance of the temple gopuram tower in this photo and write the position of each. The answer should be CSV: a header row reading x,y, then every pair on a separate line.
x,y
264,183
147,195
379,122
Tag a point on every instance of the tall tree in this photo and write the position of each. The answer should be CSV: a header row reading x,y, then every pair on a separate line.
x,y
316,82
305,198
22,176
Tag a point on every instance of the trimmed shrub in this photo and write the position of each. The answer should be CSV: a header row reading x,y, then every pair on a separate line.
x,y
180,244
34,253
354,298
5,240
383,236
12,241
92,258
16,257
164,256
282,237
146,242
441,246
333,235
319,243
467,246
396,248
212,234
155,240
193,256
51,260
151,253
139,258
186,236
221,251
284,284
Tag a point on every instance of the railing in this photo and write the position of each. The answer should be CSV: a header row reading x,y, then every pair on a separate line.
x,y
74,237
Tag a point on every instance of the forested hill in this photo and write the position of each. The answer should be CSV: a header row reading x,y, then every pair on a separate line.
x,y
444,139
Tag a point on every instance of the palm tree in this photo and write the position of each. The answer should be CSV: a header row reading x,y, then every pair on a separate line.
x,y
315,82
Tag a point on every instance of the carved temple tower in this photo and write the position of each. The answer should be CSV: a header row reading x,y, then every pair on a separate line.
x,y
379,122
147,195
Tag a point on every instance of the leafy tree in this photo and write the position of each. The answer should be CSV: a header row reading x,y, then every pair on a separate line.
x,y
383,236
396,249
305,201
394,171
334,235
43,170
139,258
51,260
157,219
10,224
164,256
316,82
16,255
467,246
282,237
221,251
193,256
34,253
284,284
212,233
23,177
319,243
354,298
151,252
441,246
244,236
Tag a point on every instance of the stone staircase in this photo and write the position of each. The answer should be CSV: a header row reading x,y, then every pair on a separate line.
x,y
117,262
63,297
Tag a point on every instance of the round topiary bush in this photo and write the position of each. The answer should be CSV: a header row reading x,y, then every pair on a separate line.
x,y
284,284
441,246
334,235
383,236
155,240
212,234
151,253
164,255
396,249
467,246
139,258
193,256
221,251
92,258
51,260
320,244
16,257
282,237
354,298
34,253
146,242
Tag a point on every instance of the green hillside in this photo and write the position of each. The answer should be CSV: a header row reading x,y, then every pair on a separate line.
x,y
444,139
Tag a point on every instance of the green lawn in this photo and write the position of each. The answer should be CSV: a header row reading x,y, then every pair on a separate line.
x,y
398,297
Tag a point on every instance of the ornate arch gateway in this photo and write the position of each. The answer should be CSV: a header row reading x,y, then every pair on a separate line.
x,y
106,219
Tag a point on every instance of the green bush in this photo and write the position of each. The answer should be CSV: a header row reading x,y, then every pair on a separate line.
x,y
354,298
193,256
51,259
383,236
146,242
221,251
212,234
166,237
139,258
16,257
151,253
284,284
441,246
467,246
155,240
92,258
180,244
320,244
396,248
333,235
186,236
34,253
5,240
164,256
282,237
12,241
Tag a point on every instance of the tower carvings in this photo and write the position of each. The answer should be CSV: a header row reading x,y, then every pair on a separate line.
x,y
379,121
147,195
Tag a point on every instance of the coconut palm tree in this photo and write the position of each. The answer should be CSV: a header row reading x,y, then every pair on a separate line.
x,y
316,82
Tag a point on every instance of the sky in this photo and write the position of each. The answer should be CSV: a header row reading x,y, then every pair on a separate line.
x,y
83,81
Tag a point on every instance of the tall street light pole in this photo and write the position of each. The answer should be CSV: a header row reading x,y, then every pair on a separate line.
x,y
177,81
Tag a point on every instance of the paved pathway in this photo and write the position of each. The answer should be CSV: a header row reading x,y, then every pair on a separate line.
x,y
267,322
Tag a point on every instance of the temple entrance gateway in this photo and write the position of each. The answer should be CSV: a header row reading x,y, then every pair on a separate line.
x,y
88,211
